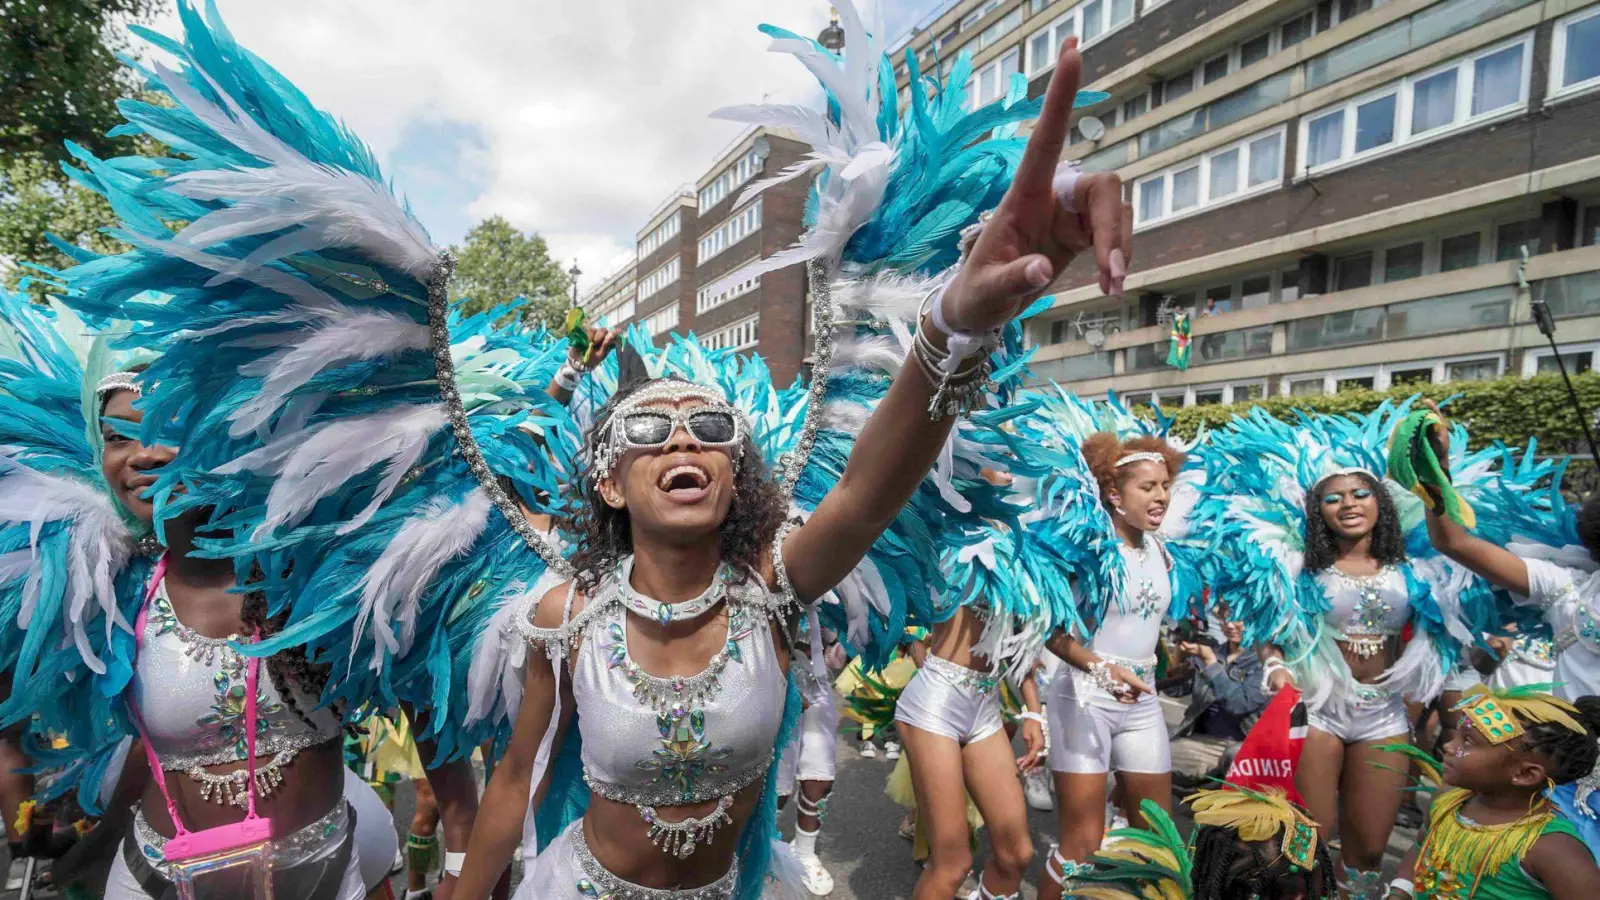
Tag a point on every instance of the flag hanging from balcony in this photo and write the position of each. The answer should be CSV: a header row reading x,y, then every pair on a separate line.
x,y
1178,351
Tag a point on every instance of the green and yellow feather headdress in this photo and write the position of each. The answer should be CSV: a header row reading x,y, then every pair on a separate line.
x,y
1140,864
1505,715
1259,816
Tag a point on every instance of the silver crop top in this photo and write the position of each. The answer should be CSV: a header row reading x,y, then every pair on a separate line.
x,y
662,742
1377,605
190,691
1131,626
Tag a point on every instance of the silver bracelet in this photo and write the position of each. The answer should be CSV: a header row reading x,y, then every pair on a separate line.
x,y
1100,672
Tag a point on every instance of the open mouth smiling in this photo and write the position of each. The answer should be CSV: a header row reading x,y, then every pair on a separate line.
x,y
685,483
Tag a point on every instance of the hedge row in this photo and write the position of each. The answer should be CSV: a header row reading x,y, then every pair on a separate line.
x,y
1509,409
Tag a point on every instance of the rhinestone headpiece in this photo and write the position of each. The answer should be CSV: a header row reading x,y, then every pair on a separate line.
x,y
1143,456
609,446
118,381
1352,470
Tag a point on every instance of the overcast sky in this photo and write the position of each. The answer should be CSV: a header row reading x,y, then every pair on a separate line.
x,y
573,119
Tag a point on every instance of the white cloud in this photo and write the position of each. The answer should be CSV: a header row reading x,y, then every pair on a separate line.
x,y
590,113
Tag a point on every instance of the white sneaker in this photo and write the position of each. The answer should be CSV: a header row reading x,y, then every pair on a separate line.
x,y
817,879
15,873
1036,788
1117,823
891,750
869,750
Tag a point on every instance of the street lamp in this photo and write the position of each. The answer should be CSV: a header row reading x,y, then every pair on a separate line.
x,y
573,274
832,37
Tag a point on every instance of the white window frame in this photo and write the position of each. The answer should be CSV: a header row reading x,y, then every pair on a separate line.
x,y
1035,67
999,29
1443,370
1203,160
1286,383
661,234
1532,355
1403,90
705,302
975,96
1558,58
618,314
651,284
738,172
1227,388
657,323
735,228
737,336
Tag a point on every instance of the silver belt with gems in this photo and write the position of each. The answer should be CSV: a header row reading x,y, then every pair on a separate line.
x,y
683,837
961,676
1143,669
598,882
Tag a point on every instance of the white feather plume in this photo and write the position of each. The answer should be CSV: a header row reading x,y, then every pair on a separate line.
x,y
500,659
313,464
392,588
100,546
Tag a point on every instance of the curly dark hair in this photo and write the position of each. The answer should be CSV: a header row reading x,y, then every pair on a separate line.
x,y
604,535
1102,449
1570,755
1322,546
1228,868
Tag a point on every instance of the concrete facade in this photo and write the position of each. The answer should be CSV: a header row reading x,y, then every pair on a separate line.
x,y
704,233
1353,185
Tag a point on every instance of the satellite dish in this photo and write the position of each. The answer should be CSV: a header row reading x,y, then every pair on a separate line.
x,y
1091,128
761,147
1095,338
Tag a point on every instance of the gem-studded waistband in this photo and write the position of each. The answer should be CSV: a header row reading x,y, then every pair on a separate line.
x,y
961,676
287,851
597,880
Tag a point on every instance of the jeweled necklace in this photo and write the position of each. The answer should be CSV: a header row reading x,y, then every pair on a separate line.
x,y
1147,602
665,614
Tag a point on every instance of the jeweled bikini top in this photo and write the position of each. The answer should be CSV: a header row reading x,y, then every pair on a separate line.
x,y
656,742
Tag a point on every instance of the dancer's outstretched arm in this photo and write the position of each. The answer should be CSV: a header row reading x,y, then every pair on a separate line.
x,y
1499,566
1030,239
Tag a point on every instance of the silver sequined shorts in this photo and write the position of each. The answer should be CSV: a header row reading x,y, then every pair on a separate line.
x,y
1092,732
952,701
1377,716
566,870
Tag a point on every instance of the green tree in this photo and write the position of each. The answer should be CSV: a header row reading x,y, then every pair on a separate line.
x,y
497,264
60,77
59,80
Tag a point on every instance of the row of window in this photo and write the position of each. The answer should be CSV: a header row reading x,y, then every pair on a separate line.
x,y
739,226
1088,21
742,170
661,234
992,82
705,300
1419,107
662,320
741,335
611,318
1250,166
660,278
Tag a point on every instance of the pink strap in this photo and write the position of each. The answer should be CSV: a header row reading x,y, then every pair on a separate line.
x,y
252,671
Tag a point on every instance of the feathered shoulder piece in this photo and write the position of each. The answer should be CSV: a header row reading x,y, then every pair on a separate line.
x,y
1258,816
1140,864
1068,516
69,555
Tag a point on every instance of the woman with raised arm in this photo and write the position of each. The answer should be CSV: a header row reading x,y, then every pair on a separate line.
x,y
663,674
1366,626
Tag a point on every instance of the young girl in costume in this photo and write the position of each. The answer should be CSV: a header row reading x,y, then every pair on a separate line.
x,y
1496,835
1246,845
1104,714
1304,512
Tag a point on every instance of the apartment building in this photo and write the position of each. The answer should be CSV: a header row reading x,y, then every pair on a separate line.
x,y
701,234
1345,192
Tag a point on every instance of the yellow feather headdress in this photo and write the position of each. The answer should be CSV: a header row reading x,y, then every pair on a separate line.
x,y
1259,816
1139,864
1505,715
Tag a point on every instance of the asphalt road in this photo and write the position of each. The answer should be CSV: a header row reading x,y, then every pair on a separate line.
x,y
859,843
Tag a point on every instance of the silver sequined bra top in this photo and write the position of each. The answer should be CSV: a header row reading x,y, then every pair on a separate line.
x,y
663,742
1377,605
190,692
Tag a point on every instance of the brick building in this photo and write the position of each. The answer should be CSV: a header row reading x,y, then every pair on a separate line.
x,y
1350,186
702,233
